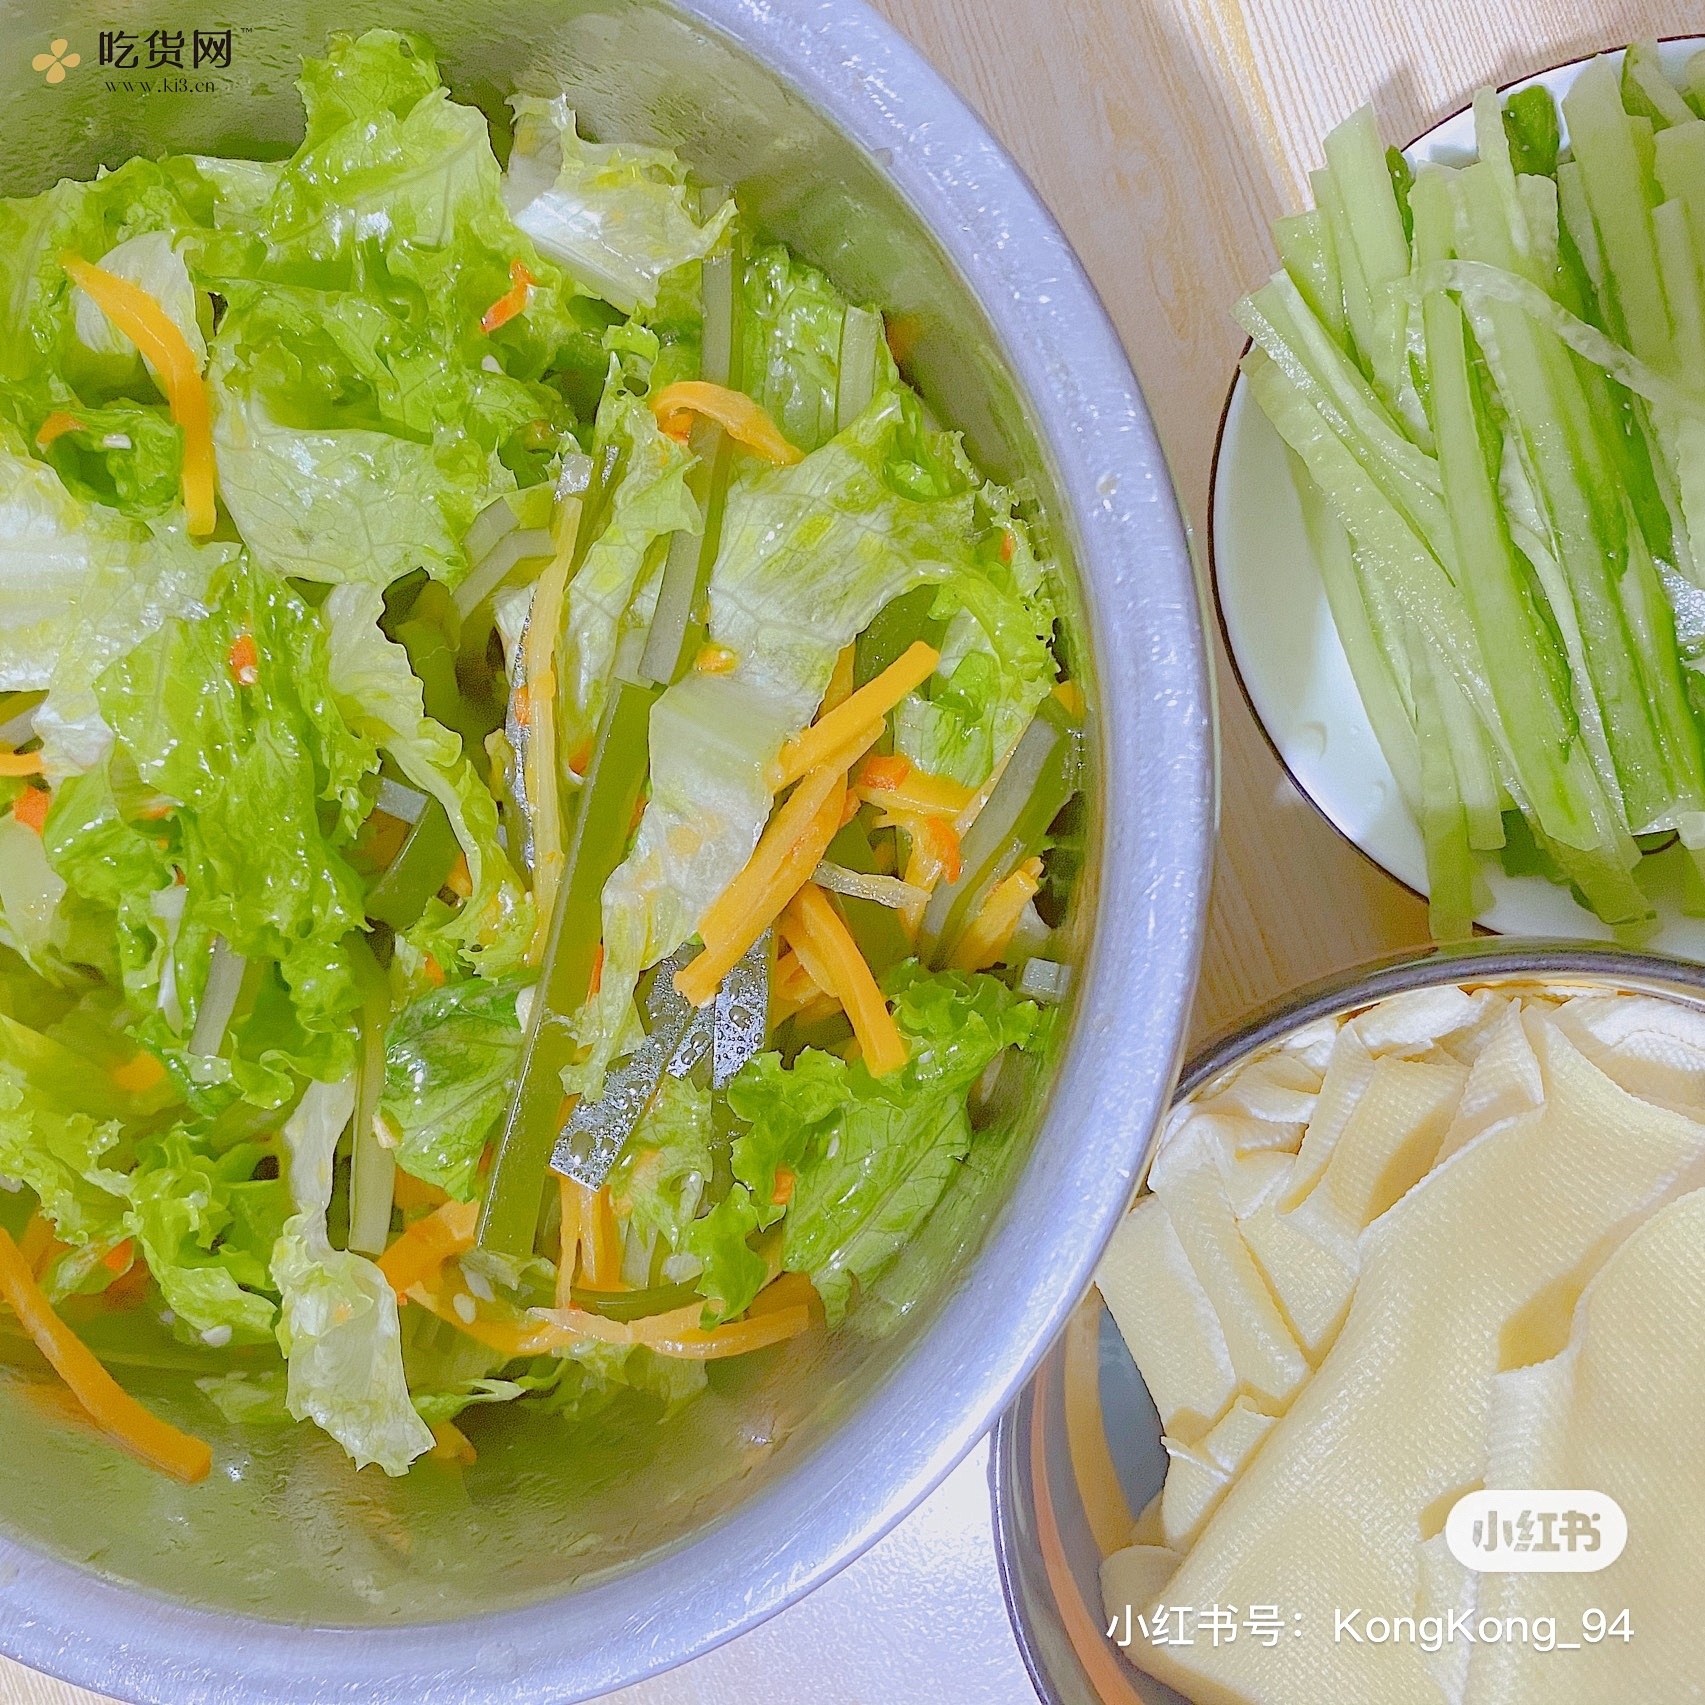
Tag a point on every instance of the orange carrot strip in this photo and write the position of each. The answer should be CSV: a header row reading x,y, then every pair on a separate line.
x,y
602,1240
418,1253
827,950
108,1404
55,426
451,1444
927,795
415,1195
734,411
38,1235
883,773
871,703
119,1257
31,807
460,880
20,763
714,660
791,848
135,313
568,1246
513,301
987,935
840,686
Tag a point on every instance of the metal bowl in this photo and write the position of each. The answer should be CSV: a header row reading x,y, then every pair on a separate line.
x,y
558,1573
1079,1451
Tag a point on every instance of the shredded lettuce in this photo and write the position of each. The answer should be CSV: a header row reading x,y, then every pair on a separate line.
x,y
450,1062
872,1156
381,697
338,1323
617,215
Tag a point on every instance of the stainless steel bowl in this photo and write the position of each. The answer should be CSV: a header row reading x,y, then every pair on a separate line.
x,y
1084,1427
561,1575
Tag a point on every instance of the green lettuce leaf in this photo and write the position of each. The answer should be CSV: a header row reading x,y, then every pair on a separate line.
x,y
264,780
617,215
151,261
338,1323
74,1163
659,1182
381,697
791,346
207,1230
450,1063
249,1399
872,1156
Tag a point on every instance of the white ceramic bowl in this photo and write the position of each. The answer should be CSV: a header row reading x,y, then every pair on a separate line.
x,y
1292,669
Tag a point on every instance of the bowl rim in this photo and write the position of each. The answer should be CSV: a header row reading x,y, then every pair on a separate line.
x,y
1487,959
1237,397
1155,843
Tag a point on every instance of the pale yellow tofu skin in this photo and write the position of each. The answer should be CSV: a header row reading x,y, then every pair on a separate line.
x,y
1333,1511
1168,1322
1622,1411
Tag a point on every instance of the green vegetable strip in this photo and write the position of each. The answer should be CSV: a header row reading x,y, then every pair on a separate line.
x,y
418,871
1611,149
1039,778
608,799
1307,253
1548,409
861,336
677,624
1370,667
1361,178
1451,876
373,1167
1647,92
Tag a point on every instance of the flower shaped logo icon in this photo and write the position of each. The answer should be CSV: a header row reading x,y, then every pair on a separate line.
x,y
56,61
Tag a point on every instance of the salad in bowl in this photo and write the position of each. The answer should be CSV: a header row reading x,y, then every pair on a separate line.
x,y
538,782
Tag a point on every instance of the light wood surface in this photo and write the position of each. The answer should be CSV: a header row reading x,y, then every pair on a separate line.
x,y
1166,135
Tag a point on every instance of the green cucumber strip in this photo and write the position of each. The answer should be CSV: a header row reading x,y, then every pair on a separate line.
x,y
1647,92
1307,253
1534,132
1609,147
372,1167
1452,879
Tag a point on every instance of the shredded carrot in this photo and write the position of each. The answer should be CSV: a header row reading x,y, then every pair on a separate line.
x,y
157,808
55,426
108,1404
31,807
916,792
791,848
425,1246
783,1193
1009,544
513,301
521,706
601,1239
792,990
119,1257
788,1290
883,772
139,1074
816,932
934,855
714,660
900,333
572,1195
135,313
840,686
243,660
870,704
987,935
734,411
415,1195
597,982
38,1236
460,880
849,809
20,763
580,759
432,971
451,1444
1070,694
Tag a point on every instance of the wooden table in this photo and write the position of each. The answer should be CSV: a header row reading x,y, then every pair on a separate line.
x,y
1166,135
